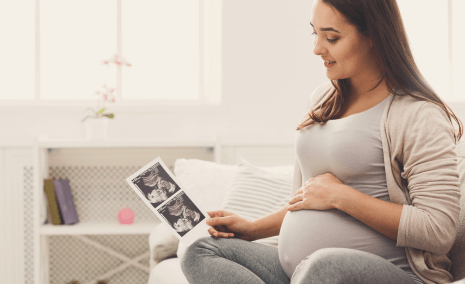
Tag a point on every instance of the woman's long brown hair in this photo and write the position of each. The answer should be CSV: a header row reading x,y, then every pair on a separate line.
x,y
380,20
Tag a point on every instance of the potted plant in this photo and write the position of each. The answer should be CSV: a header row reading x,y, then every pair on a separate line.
x,y
97,118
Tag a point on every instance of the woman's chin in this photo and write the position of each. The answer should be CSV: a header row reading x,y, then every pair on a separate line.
x,y
331,76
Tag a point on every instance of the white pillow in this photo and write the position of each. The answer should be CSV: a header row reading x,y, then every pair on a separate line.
x,y
207,181
210,182
256,192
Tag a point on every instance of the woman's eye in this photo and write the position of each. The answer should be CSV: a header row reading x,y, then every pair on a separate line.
x,y
330,40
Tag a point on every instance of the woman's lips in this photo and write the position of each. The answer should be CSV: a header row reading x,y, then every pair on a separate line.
x,y
329,63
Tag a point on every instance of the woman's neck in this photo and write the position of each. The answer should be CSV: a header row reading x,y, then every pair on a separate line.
x,y
368,88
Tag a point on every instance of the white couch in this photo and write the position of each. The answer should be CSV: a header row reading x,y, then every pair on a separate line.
x,y
212,181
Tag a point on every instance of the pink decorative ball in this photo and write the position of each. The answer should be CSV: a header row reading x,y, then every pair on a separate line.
x,y
125,216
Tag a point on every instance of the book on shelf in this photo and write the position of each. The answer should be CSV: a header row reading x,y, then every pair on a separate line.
x,y
65,201
53,211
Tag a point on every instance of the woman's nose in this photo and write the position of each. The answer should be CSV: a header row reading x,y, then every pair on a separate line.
x,y
317,47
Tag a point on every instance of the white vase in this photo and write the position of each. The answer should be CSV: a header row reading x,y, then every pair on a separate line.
x,y
96,128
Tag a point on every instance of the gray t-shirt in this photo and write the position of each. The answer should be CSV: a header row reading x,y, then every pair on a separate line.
x,y
351,149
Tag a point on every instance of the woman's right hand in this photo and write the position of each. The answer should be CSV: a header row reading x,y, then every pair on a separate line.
x,y
228,225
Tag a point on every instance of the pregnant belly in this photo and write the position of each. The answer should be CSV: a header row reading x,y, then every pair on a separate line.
x,y
305,231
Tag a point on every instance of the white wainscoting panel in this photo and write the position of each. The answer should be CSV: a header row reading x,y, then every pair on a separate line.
x,y
3,219
15,162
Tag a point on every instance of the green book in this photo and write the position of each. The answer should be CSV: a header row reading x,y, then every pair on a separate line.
x,y
52,201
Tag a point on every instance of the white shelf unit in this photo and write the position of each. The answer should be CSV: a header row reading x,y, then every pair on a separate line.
x,y
83,229
97,228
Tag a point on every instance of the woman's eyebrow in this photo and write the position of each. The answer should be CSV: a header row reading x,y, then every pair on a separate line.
x,y
327,29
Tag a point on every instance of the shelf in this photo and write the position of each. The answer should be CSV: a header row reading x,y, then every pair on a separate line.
x,y
98,229
103,164
125,143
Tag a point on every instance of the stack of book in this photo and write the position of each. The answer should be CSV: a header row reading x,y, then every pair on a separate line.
x,y
61,207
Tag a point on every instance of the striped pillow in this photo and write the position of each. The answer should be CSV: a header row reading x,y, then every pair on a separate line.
x,y
256,192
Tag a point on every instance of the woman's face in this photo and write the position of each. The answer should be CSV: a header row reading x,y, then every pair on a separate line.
x,y
345,53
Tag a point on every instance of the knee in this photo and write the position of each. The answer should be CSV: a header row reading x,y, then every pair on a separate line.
x,y
325,258
342,258
201,247
319,265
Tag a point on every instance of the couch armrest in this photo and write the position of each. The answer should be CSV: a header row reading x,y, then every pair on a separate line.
x,y
163,244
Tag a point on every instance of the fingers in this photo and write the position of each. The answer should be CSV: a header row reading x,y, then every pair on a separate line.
x,y
296,198
296,206
212,231
219,213
218,221
215,221
301,190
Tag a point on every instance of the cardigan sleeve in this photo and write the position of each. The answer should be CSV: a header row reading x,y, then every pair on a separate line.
x,y
430,168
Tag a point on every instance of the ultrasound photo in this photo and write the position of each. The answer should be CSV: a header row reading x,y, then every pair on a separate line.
x,y
156,185
181,213
159,189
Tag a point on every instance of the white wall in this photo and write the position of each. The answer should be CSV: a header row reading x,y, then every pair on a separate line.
x,y
268,72
268,69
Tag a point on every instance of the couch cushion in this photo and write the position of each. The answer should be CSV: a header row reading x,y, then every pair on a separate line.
x,y
207,181
168,272
457,253
163,244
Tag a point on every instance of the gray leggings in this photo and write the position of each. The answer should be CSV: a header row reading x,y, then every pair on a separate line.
x,y
219,260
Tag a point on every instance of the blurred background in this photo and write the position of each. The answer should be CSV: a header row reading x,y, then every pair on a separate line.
x,y
240,69
97,73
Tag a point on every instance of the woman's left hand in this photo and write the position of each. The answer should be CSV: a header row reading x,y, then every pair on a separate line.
x,y
318,193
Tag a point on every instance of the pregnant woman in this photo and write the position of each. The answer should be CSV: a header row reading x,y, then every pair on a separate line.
x,y
375,197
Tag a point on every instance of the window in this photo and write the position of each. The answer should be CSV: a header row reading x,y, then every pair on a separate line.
x,y
165,59
17,51
75,36
59,46
458,48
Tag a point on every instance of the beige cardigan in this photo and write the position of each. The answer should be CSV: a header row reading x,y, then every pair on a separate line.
x,y
421,173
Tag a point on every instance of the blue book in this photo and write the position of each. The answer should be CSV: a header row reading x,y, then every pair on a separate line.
x,y
65,201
